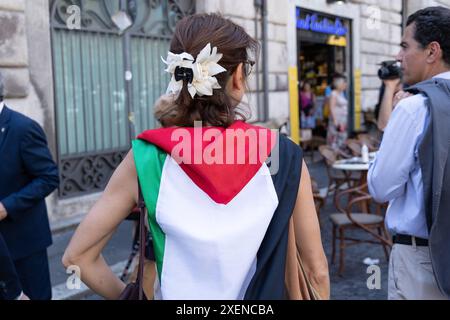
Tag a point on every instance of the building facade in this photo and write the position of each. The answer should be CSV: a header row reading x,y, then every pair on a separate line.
x,y
360,35
90,79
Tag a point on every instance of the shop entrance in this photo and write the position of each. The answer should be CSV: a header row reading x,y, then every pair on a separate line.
x,y
318,63
324,49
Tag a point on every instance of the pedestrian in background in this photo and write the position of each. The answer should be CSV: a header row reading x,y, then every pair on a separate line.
x,y
28,175
308,106
10,287
338,120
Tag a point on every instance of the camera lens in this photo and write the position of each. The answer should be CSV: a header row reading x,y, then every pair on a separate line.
x,y
390,70
383,73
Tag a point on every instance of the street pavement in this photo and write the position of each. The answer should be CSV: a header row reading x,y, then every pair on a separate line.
x,y
115,253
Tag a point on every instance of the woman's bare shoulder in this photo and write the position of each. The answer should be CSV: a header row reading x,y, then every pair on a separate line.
x,y
129,159
125,176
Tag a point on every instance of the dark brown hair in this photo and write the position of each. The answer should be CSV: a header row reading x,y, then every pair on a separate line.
x,y
192,34
432,24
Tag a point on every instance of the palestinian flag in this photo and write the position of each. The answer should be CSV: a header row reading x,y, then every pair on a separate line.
x,y
218,215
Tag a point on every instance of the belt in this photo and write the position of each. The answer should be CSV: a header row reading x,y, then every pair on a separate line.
x,y
408,240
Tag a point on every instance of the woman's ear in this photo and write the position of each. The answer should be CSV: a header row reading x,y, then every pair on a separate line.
x,y
238,78
236,84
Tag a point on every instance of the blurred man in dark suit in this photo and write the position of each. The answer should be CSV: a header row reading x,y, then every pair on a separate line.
x,y
10,288
28,175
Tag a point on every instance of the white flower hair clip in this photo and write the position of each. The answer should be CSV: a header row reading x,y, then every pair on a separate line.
x,y
199,73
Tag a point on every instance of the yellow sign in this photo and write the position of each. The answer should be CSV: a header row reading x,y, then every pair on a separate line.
x,y
337,41
294,112
358,108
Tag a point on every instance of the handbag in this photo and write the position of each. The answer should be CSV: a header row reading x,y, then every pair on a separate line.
x,y
298,285
135,290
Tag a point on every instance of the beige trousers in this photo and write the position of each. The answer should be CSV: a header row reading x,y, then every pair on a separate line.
x,y
411,275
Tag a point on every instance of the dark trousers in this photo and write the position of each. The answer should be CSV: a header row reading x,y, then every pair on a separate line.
x,y
34,276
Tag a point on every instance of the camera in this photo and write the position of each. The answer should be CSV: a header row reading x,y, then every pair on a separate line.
x,y
390,70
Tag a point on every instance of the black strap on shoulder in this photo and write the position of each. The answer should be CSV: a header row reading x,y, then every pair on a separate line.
x,y
142,238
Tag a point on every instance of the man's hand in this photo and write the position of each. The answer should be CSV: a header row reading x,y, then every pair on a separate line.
x,y
400,96
392,84
392,95
3,213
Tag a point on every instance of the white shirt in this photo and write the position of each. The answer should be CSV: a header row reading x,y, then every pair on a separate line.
x,y
395,174
2,104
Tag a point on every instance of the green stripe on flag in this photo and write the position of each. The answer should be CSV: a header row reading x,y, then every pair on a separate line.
x,y
149,161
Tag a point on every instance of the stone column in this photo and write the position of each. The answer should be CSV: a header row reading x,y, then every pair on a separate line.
x,y
14,53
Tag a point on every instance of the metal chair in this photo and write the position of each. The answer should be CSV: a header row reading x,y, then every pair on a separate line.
x,y
319,198
347,219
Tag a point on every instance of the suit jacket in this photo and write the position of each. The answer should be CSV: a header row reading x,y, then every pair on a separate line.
x,y
28,174
9,281
435,164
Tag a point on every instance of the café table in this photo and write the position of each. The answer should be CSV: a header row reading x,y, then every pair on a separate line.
x,y
353,165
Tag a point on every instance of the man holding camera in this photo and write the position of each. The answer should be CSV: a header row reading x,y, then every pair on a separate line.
x,y
412,167
391,75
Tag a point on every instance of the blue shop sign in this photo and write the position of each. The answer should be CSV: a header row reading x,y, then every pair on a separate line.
x,y
312,22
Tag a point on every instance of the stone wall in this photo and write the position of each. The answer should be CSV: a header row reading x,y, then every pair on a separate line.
x,y
414,5
380,38
14,52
